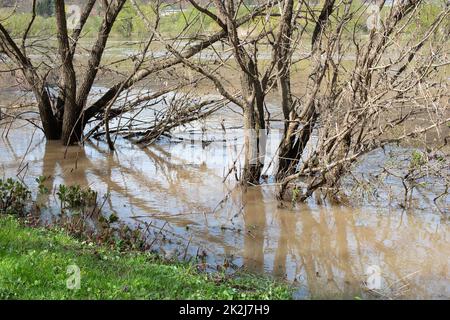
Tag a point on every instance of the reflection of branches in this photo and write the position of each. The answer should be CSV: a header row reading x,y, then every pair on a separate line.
x,y
144,180
255,228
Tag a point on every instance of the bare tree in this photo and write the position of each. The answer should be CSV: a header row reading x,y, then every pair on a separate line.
x,y
355,109
255,83
62,120
362,89
66,116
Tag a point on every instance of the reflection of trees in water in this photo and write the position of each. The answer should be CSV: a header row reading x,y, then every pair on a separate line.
x,y
172,176
255,228
321,253
287,230
166,179
329,249
71,162
107,168
68,161
327,246
332,253
20,145
317,252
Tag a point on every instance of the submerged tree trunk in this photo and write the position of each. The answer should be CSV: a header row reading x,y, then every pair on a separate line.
x,y
254,144
254,125
292,147
282,53
50,124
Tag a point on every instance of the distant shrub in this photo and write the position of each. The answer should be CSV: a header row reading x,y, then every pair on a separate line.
x,y
45,8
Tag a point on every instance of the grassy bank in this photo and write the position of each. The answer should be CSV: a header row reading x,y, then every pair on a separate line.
x,y
34,261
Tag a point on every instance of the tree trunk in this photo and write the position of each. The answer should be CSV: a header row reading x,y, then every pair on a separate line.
x,y
292,147
253,143
254,126
72,125
50,125
294,141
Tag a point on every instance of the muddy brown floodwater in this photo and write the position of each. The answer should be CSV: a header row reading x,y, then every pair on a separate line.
x,y
326,251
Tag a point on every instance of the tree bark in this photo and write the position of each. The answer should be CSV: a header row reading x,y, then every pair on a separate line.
x,y
254,125
50,124
71,127
294,141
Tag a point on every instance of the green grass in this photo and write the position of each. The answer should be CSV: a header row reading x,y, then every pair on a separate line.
x,y
34,261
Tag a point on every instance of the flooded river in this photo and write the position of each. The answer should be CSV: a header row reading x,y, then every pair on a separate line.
x,y
326,251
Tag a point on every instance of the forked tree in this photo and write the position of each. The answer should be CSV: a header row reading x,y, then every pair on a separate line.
x,y
64,116
392,88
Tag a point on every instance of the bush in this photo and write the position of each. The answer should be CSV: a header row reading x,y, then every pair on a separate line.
x,y
13,196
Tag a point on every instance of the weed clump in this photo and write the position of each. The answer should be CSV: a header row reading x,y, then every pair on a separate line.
x,y
14,196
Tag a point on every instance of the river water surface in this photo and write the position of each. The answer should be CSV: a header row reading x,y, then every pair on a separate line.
x,y
326,251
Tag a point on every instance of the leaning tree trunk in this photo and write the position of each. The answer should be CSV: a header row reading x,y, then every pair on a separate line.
x,y
294,143
294,139
282,51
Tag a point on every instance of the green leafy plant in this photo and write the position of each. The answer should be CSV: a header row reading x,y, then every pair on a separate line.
x,y
295,194
13,196
76,197
42,189
417,159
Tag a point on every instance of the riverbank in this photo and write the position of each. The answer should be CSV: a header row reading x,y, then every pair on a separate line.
x,y
34,265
